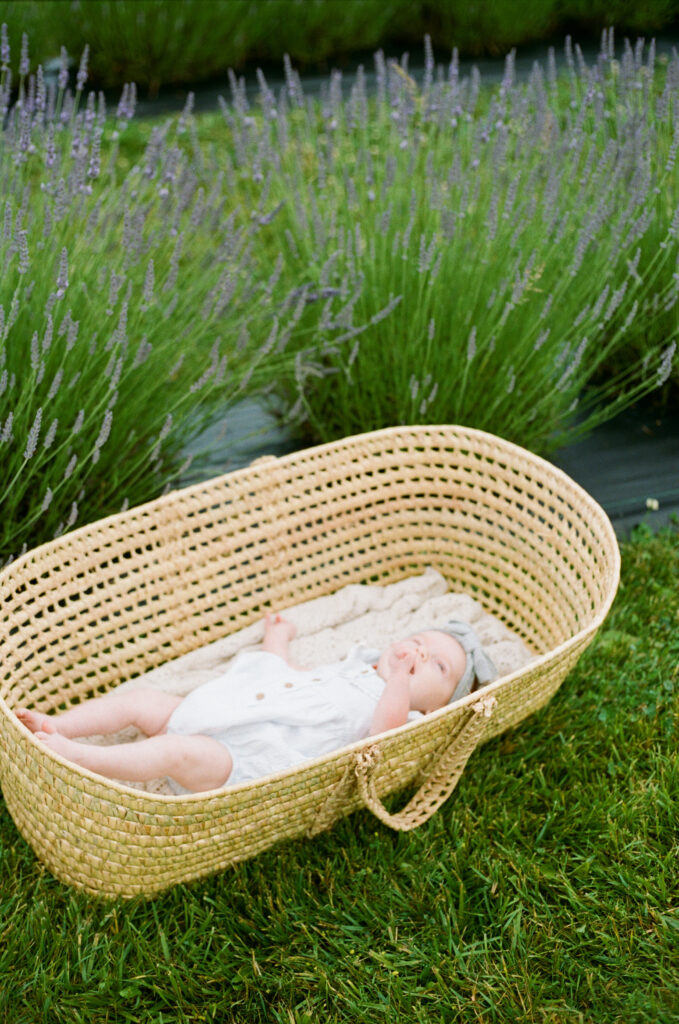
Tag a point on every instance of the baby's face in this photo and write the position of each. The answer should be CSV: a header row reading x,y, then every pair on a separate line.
x,y
436,662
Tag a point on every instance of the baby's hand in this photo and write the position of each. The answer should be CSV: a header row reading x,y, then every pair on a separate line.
x,y
400,663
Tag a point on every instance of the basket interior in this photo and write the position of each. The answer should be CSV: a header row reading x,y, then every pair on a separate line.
x,y
123,595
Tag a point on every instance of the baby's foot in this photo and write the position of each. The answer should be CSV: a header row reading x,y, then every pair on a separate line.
x,y
276,625
60,744
36,721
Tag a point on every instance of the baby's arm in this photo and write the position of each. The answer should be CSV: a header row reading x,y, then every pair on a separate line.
x,y
394,704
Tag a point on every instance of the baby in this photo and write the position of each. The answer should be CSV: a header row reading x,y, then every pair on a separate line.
x,y
265,714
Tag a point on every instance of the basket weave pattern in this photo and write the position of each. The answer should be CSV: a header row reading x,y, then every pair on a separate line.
x,y
125,594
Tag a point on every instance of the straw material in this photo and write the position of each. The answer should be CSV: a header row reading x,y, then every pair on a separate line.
x,y
117,598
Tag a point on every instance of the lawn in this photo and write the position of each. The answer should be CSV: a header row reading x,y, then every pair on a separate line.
x,y
545,890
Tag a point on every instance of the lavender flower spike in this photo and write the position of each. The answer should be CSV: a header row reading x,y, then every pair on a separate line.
x,y
4,48
24,63
471,344
665,367
51,433
62,279
103,435
122,105
70,467
7,429
72,515
23,252
81,77
62,80
32,441
149,282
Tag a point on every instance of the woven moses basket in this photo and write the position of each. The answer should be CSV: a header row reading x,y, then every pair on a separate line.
x,y
112,600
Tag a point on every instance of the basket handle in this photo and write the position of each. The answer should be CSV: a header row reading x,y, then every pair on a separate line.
x,y
442,780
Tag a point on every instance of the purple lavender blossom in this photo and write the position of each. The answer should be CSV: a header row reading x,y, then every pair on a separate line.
x,y
122,111
33,434
62,278
72,462
7,430
471,344
4,48
103,436
665,367
51,434
81,77
62,80
24,259
24,62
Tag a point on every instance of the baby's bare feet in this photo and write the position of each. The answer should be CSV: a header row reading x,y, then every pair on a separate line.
x,y
60,744
36,721
277,626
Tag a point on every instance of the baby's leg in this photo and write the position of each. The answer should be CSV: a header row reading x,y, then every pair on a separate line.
x,y
196,762
278,633
147,709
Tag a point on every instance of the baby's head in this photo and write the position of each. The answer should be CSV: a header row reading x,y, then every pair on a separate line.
x,y
445,664
435,661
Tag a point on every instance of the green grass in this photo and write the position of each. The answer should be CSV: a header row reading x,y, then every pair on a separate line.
x,y
545,890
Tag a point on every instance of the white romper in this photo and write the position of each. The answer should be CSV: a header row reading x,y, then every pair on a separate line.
x,y
271,716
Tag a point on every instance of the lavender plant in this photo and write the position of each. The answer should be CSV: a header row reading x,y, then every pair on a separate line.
x,y
529,230
130,305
